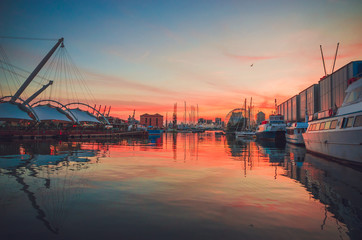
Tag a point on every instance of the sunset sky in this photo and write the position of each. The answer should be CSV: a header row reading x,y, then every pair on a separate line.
x,y
148,55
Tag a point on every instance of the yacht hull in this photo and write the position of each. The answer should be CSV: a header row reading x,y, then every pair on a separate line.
x,y
154,131
339,144
271,136
295,139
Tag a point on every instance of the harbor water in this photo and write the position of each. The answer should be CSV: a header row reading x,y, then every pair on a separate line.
x,y
177,186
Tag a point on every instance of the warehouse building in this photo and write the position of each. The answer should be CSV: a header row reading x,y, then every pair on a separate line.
x,y
321,98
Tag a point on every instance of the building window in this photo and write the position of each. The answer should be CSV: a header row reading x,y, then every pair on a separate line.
x,y
150,122
146,120
157,122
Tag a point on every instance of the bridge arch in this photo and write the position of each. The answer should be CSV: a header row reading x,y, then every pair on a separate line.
x,y
26,105
62,105
84,104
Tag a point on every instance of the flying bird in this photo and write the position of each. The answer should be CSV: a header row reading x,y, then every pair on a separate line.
x,y
252,65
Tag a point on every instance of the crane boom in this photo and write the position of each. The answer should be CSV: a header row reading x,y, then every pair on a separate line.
x,y
36,71
31,98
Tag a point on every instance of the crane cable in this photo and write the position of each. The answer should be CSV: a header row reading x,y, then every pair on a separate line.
x,y
28,38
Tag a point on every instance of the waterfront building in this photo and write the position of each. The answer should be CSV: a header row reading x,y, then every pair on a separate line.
x,y
322,98
152,120
260,116
309,101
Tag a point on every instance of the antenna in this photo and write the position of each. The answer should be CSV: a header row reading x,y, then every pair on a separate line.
x,y
335,56
324,66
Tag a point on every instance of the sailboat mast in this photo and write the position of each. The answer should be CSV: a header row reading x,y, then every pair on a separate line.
x,y
166,119
245,114
185,114
250,114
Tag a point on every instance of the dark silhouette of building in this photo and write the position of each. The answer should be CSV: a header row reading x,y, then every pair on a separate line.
x,y
201,120
260,116
218,121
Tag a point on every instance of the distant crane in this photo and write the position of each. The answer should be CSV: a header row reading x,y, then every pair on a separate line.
x,y
35,72
132,120
109,110
174,117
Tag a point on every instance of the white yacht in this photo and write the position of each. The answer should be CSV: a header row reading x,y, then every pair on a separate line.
x,y
294,133
272,129
339,136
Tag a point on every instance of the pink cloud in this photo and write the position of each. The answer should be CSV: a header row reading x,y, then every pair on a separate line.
x,y
127,84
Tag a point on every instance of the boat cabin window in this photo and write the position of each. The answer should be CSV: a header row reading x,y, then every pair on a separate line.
x,y
333,124
347,122
311,127
328,124
354,95
317,126
350,122
358,121
322,125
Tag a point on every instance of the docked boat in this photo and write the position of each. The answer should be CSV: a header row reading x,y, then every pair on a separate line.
x,y
244,134
154,131
272,129
294,133
339,136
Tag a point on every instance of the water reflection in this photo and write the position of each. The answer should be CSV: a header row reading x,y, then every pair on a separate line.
x,y
337,186
196,185
43,171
